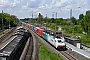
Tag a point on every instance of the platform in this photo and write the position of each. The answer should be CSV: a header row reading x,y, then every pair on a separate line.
x,y
79,51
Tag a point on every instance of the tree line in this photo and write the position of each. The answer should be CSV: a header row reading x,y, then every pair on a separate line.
x,y
8,19
77,25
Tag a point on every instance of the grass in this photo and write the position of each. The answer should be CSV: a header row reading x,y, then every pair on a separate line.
x,y
85,39
46,54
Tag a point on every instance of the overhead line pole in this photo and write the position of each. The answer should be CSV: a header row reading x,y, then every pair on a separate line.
x,y
56,22
46,22
52,14
71,20
32,17
32,14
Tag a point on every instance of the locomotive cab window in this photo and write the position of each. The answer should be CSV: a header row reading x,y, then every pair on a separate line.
x,y
59,40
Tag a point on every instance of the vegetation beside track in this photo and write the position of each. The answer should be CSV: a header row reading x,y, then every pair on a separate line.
x,y
46,54
77,31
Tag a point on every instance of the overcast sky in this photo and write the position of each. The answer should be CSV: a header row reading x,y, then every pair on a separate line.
x,y
24,8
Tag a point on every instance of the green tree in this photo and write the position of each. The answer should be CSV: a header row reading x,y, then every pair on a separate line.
x,y
74,21
81,16
85,22
8,18
60,21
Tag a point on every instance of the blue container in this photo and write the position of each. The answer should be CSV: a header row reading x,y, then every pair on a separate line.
x,y
33,27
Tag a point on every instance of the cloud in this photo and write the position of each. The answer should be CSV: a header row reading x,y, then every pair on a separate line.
x,y
24,8
14,3
4,3
30,3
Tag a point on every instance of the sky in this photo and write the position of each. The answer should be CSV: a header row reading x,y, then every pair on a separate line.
x,y
25,8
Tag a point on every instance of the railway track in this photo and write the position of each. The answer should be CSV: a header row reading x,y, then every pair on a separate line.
x,y
67,55
16,42
64,54
85,47
29,52
7,35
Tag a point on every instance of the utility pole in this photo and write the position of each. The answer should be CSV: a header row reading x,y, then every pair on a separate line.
x,y
46,22
71,20
52,14
56,22
2,21
32,17
32,14
71,15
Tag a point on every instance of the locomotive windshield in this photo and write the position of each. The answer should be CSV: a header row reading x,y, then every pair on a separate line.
x,y
58,37
59,40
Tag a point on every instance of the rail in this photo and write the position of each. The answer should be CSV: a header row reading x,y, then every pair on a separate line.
x,y
7,34
27,52
67,55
